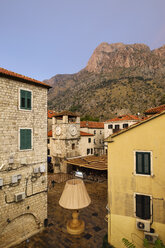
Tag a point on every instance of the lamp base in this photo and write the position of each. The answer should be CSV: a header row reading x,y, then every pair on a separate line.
x,y
75,226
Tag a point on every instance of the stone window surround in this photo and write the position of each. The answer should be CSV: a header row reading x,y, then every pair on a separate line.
x,y
151,164
24,150
19,99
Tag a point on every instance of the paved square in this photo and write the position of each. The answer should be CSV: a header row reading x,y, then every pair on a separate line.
x,y
56,236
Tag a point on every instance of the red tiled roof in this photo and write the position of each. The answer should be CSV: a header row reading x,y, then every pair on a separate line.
x,y
155,110
144,120
124,118
51,113
85,134
50,133
91,124
16,76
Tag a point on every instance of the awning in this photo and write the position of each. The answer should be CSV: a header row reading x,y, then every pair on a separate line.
x,y
91,162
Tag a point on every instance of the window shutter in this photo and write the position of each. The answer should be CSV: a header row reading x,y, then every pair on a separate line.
x,y
22,98
147,163
139,212
28,99
28,138
22,139
147,211
139,162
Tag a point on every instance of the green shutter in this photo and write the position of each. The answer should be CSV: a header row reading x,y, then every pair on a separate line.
x,y
25,99
143,163
22,139
28,100
28,138
25,139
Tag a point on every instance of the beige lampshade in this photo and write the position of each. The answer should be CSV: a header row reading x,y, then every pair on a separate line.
x,y
75,195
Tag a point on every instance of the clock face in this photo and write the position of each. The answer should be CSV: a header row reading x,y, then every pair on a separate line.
x,y
58,130
73,130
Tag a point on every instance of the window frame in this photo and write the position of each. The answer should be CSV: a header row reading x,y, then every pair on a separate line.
x,y
24,109
151,205
89,140
88,151
126,125
110,126
151,163
19,141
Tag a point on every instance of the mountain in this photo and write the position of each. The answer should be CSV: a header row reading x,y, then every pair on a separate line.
x,y
118,79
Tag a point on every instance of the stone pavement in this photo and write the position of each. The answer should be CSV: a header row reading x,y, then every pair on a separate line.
x,y
56,236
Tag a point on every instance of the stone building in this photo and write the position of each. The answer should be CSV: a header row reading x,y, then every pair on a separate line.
x,y
65,139
97,129
86,144
23,157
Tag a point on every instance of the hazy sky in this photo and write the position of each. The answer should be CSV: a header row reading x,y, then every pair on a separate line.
x,y
42,38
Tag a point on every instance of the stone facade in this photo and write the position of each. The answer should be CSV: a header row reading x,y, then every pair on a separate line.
x,y
86,144
65,140
98,132
22,172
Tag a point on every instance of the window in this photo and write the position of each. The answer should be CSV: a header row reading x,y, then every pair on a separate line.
x,y
110,126
117,127
25,99
94,141
89,140
91,150
125,125
48,151
94,131
73,146
143,206
100,132
25,139
143,163
48,141
88,151
100,141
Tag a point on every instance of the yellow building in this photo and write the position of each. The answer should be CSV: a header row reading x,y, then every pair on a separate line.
x,y
136,182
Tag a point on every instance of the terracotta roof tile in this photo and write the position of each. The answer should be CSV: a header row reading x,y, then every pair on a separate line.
x,y
124,118
16,76
85,134
50,133
51,113
155,110
91,124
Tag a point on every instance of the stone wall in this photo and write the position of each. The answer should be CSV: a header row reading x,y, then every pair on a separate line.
x,y
20,220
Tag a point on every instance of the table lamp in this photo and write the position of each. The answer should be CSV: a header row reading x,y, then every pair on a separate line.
x,y
75,196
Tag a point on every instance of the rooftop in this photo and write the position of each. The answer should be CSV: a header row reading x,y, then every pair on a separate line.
x,y
85,134
134,125
91,162
91,124
155,110
51,113
16,76
125,118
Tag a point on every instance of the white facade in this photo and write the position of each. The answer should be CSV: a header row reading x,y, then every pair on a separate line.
x,y
86,145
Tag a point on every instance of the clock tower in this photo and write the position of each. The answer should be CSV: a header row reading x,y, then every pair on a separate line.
x,y
65,136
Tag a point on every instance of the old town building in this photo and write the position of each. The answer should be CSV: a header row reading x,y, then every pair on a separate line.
x,y
23,157
136,195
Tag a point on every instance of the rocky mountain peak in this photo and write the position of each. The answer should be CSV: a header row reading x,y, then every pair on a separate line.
x,y
109,56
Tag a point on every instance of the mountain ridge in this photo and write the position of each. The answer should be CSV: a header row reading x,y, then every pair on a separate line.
x,y
110,82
